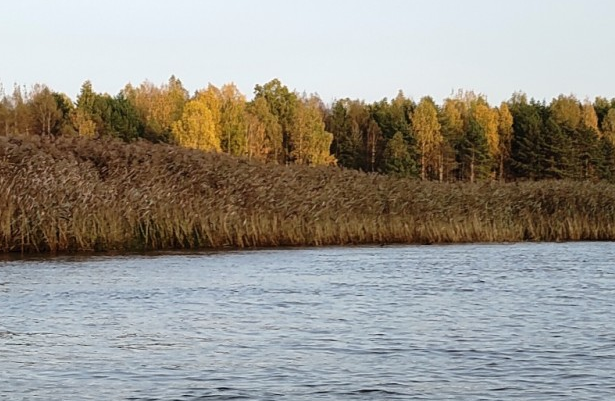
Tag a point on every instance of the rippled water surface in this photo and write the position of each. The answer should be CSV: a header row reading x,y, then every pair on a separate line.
x,y
468,322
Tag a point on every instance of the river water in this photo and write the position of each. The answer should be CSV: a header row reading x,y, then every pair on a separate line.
x,y
455,322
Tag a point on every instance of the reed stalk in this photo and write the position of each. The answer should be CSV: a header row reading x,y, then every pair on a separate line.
x,y
76,194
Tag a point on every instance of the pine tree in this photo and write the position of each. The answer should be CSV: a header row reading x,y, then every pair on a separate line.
x,y
397,158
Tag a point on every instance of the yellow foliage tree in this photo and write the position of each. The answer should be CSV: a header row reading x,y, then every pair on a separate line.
x,y
310,143
505,132
159,107
83,123
479,140
488,119
608,126
264,133
589,118
233,125
211,97
196,127
566,111
453,118
426,129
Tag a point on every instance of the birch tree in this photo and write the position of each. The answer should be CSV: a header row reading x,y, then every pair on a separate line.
x,y
426,129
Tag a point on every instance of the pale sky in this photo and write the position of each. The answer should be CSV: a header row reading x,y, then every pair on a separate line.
x,y
365,49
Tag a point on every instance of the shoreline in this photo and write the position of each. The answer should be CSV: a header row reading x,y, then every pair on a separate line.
x,y
78,255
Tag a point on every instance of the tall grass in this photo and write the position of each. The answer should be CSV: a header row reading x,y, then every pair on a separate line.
x,y
75,194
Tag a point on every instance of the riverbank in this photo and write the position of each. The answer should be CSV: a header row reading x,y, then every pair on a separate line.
x,y
76,194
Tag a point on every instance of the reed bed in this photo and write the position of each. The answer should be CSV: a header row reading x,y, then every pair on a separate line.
x,y
76,194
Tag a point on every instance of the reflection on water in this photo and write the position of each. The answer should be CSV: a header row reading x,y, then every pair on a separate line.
x,y
458,322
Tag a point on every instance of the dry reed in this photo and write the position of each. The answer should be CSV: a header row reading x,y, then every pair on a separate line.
x,y
75,194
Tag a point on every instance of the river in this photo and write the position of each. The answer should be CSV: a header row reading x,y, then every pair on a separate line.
x,y
456,322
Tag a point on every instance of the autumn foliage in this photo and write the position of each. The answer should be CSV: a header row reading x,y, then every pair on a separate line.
x,y
462,139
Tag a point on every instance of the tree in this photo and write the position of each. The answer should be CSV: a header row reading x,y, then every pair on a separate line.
x,y
283,104
468,122
233,121
505,133
83,124
474,151
309,143
528,144
607,170
566,111
488,118
394,116
452,123
348,121
580,125
338,123
197,127
390,118
398,159
86,97
124,120
157,107
175,97
601,106
588,152
5,112
608,144
211,97
21,117
589,118
426,130
555,151
373,139
66,108
45,111
82,114
608,125
264,133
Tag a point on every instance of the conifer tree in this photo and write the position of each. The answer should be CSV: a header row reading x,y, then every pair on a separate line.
x,y
397,158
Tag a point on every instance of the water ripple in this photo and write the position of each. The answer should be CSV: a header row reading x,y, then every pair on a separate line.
x,y
471,322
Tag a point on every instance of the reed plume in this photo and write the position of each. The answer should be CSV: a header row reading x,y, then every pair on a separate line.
x,y
78,194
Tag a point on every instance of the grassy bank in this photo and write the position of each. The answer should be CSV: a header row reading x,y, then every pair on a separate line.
x,y
74,194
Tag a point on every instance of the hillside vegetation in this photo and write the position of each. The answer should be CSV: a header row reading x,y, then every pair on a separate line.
x,y
79,194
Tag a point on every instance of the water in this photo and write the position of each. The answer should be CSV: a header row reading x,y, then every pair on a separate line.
x,y
468,322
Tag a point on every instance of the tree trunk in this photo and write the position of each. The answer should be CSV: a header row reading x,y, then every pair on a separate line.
x,y
501,168
472,168
373,154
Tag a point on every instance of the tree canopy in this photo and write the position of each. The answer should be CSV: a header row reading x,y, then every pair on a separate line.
x,y
462,139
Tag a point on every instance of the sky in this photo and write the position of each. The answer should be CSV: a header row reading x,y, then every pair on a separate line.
x,y
361,49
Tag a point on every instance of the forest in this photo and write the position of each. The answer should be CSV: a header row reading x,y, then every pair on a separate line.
x,y
462,139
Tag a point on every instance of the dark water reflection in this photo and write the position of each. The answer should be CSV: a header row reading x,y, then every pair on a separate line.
x,y
469,322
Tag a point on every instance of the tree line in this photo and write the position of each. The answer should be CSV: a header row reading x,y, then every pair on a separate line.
x,y
463,139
